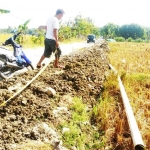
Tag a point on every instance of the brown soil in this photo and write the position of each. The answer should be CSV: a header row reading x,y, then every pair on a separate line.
x,y
27,115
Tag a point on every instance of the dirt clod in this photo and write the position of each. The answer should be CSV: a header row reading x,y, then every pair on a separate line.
x,y
31,113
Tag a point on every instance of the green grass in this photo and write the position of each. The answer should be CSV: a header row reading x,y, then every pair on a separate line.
x,y
80,132
139,76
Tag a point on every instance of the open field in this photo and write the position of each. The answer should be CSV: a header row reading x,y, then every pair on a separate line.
x,y
132,61
29,41
87,111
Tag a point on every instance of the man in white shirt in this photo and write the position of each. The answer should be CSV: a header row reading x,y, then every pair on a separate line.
x,y
51,40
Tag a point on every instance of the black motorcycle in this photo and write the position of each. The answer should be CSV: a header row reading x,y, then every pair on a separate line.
x,y
12,61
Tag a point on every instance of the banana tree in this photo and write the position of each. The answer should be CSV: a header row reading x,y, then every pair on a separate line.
x,y
22,28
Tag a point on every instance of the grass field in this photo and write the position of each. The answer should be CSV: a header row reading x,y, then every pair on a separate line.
x,y
28,41
132,61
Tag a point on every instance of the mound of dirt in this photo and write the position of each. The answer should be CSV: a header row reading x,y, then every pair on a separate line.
x,y
31,114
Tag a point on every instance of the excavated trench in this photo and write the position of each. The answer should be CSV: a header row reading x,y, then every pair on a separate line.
x,y
33,109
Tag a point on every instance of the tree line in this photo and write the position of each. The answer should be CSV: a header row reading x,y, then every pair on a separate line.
x,y
133,31
80,27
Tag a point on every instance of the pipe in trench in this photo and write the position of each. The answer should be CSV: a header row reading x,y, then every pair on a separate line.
x,y
135,133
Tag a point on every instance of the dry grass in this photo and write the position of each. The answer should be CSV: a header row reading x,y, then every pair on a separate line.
x,y
4,37
132,61
130,57
34,145
111,117
28,43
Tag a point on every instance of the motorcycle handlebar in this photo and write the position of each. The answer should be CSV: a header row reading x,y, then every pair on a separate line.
x,y
11,40
14,37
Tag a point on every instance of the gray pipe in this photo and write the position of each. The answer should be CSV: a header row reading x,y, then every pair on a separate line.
x,y
135,133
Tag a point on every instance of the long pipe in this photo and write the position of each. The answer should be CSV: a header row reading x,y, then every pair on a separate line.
x,y
135,133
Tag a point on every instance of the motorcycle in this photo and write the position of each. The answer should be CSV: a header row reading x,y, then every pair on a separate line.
x,y
12,61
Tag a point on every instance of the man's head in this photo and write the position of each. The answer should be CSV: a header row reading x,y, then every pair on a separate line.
x,y
59,13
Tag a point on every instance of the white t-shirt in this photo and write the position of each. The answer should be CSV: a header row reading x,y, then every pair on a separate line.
x,y
52,23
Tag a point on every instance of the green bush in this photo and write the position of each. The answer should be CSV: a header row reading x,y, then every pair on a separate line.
x,y
37,39
119,39
138,40
146,41
130,39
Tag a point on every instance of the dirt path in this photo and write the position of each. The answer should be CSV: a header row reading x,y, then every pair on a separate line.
x,y
36,114
35,54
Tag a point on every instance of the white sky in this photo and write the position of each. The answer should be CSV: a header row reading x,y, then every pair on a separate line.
x,y
102,12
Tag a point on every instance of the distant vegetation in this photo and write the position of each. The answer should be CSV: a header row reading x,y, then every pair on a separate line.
x,y
80,27
130,32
